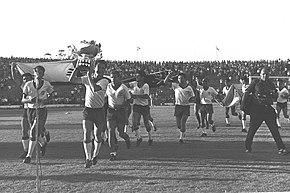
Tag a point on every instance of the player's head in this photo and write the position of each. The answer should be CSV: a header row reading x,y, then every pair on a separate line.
x,y
280,83
26,77
38,71
264,73
244,80
100,67
140,76
116,77
204,82
181,78
227,81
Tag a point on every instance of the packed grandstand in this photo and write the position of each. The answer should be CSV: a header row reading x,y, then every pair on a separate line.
x,y
215,71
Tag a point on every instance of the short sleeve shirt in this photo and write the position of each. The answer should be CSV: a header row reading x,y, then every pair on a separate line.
x,y
182,95
140,91
31,92
95,99
206,96
117,97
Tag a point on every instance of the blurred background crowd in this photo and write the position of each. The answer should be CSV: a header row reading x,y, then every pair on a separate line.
x,y
215,71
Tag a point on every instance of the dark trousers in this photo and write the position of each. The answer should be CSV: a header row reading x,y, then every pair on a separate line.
x,y
257,116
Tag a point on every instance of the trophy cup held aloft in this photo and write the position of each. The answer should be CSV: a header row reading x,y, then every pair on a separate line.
x,y
87,53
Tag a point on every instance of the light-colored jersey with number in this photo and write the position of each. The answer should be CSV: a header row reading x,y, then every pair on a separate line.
x,y
31,92
140,91
117,97
206,96
95,99
182,95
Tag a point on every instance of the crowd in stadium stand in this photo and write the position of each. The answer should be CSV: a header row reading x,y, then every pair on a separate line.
x,y
214,70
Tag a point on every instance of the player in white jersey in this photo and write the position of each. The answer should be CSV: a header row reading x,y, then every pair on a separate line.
x,y
20,81
118,100
283,95
140,95
184,94
225,91
36,93
94,113
207,94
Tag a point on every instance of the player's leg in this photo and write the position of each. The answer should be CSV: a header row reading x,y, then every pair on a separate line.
x,y
147,125
227,116
278,111
25,134
122,119
136,120
197,115
87,142
41,130
99,128
203,114
244,121
111,125
32,141
210,117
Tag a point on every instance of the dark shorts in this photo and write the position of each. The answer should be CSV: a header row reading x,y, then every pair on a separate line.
x,y
95,115
119,116
181,110
24,116
42,116
206,108
281,105
143,110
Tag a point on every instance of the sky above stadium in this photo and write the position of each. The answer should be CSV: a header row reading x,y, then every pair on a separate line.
x,y
165,30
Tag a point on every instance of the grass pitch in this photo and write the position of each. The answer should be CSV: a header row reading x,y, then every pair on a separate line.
x,y
216,163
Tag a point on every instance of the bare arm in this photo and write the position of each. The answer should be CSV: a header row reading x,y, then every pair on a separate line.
x,y
15,74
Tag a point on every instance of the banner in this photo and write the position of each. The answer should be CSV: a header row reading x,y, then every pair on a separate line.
x,y
58,71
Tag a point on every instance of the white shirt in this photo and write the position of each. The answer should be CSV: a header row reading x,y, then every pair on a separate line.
x,y
182,95
117,97
280,93
206,96
140,91
95,99
31,92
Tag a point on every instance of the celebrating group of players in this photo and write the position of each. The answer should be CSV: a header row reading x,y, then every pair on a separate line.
x,y
108,106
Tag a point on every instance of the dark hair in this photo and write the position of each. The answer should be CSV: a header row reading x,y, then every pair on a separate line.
x,y
39,67
28,75
141,73
102,62
117,73
181,74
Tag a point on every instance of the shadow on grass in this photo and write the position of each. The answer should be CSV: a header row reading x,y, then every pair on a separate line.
x,y
160,151
101,177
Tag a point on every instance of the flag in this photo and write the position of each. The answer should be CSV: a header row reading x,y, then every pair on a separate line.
x,y
217,48
58,71
138,48
231,98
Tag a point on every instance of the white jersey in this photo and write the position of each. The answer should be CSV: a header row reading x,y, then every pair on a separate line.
x,y
95,99
280,93
117,97
140,91
182,95
206,96
31,92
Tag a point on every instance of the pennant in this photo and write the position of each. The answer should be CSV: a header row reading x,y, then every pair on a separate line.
x,y
231,98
